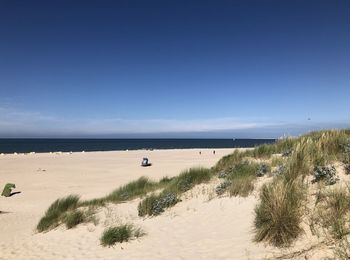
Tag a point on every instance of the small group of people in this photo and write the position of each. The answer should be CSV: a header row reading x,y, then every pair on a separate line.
x,y
200,152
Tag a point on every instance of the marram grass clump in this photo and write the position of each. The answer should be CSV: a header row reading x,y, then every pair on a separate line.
x,y
188,179
333,211
74,218
120,234
242,177
132,190
279,214
55,213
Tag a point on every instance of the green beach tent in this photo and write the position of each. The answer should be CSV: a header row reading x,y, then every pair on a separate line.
x,y
7,189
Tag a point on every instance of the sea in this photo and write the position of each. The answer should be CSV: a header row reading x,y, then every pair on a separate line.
x,y
78,145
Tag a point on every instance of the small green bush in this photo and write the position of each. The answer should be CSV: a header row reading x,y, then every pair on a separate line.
x,y
154,205
326,174
119,234
74,218
54,213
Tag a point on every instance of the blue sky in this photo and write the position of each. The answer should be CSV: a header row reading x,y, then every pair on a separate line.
x,y
173,68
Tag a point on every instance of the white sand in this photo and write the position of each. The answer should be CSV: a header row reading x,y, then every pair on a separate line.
x,y
196,228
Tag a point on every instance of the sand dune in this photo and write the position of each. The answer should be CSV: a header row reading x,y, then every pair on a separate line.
x,y
197,228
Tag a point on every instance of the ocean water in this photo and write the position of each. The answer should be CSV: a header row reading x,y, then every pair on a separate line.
x,y
76,145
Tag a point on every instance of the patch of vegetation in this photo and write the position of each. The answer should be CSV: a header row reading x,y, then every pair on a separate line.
x,y
222,174
262,170
328,174
120,234
279,170
242,178
154,205
188,179
277,160
56,211
346,156
333,211
74,218
165,180
132,190
242,186
222,187
342,249
279,214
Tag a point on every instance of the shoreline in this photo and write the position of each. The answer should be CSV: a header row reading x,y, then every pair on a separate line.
x,y
27,146
116,151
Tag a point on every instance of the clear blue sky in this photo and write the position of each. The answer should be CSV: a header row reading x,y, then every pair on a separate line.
x,y
173,68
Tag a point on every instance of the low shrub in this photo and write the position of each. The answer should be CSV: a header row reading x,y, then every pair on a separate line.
x,y
154,205
326,174
222,174
262,170
222,187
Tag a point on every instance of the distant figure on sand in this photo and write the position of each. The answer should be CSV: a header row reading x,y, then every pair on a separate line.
x,y
214,152
145,162
200,152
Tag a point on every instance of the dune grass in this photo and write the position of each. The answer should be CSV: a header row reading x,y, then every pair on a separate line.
x,y
156,204
188,179
239,179
279,213
132,190
333,211
120,234
242,177
74,218
56,211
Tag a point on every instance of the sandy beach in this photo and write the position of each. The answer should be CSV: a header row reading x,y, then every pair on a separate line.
x,y
197,228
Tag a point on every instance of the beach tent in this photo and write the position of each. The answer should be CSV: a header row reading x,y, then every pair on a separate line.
x,y
7,189
145,162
